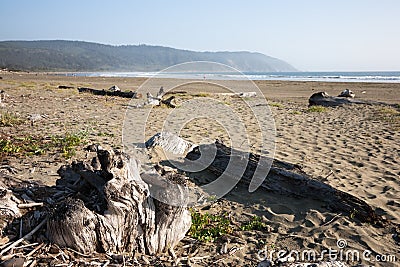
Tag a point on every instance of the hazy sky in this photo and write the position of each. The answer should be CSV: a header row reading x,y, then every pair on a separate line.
x,y
311,35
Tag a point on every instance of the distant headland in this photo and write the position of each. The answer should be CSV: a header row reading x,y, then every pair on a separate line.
x,y
61,55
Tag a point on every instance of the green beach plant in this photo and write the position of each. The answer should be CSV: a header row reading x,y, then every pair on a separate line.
x,y
10,119
207,227
105,134
202,95
389,111
28,84
255,223
22,146
316,109
276,104
27,145
7,146
389,115
67,144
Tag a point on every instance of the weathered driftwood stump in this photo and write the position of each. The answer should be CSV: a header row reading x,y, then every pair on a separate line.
x,y
112,210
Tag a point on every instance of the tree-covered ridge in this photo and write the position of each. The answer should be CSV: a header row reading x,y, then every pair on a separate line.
x,y
84,56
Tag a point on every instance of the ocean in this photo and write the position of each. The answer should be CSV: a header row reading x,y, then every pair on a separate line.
x,y
375,77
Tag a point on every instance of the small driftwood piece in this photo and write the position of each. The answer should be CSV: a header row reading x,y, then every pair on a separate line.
x,y
240,94
114,88
108,92
151,100
65,87
169,102
8,206
288,179
171,143
246,94
158,100
160,93
30,205
112,210
26,237
323,99
347,93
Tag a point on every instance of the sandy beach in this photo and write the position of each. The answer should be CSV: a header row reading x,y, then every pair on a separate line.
x,y
353,148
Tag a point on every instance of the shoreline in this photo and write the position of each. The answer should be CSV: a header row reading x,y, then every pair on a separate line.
x,y
374,77
276,90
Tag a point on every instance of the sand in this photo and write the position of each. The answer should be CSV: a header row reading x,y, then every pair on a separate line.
x,y
353,148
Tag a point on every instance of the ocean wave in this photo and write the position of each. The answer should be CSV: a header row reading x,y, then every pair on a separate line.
x,y
384,77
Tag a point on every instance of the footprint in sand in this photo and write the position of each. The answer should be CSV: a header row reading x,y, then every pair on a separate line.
x,y
281,211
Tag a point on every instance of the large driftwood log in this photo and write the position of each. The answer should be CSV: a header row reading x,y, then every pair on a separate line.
x,y
113,211
288,179
109,93
323,99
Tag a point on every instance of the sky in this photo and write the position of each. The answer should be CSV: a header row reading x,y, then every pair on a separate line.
x,y
323,35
